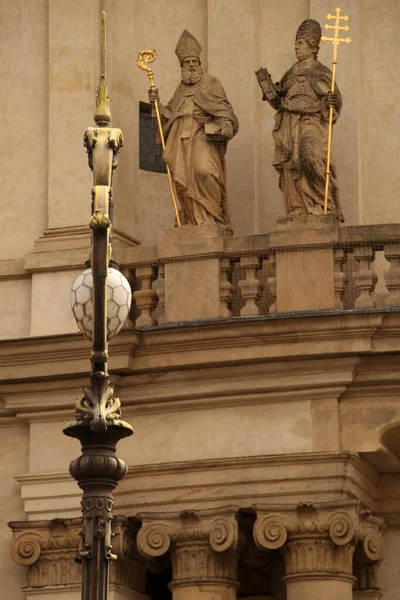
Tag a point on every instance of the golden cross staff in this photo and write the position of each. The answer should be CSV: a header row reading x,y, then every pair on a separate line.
x,y
335,41
145,57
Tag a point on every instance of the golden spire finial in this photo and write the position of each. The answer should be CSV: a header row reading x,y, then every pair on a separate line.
x,y
102,116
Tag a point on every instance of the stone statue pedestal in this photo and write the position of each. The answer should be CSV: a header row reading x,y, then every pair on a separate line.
x,y
305,262
187,233
192,272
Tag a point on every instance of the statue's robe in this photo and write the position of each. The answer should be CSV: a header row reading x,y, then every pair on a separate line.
x,y
197,164
301,140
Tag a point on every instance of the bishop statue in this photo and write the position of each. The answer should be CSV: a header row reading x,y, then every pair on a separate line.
x,y
302,99
198,122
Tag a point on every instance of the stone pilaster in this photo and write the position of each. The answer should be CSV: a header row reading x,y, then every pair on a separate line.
x,y
49,548
202,547
318,543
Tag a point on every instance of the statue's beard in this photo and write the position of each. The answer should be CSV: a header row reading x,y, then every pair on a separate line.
x,y
191,75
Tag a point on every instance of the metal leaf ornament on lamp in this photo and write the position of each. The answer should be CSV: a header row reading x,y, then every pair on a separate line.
x,y
119,299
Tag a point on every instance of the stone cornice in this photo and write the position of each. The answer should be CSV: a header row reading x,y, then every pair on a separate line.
x,y
197,388
212,482
13,269
278,460
168,348
57,357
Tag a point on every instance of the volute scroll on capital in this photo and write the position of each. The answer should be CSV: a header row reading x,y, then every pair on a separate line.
x,y
157,533
27,547
271,531
342,527
154,539
371,547
337,521
124,534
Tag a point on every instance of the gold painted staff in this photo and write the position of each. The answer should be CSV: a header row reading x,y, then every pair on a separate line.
x,y
335,41
145,57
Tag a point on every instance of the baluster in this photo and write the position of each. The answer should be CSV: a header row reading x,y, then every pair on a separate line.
x,y
339,278
159,288
129,322
392,276
271,281
365,279
250,285
225,287
146,297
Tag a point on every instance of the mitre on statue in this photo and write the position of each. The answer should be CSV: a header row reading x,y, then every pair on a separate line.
x,y
311,31
187,46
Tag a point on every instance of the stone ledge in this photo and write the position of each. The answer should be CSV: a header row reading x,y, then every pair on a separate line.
x,y
57,260
166,348
13,269
209,483
67,248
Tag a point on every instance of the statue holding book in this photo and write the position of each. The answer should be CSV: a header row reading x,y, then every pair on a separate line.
x,y
302,100
197,123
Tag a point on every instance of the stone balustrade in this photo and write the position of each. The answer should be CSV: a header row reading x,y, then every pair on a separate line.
x,y
198,274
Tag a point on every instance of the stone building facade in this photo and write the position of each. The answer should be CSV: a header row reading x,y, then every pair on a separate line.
x,y
260,371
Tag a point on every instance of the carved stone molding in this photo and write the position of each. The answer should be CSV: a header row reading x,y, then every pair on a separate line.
x,y
369,552
159,531
49,548
203,544
194,561
319,539
370,548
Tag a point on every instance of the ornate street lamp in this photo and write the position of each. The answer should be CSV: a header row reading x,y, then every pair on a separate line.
x,y
100,301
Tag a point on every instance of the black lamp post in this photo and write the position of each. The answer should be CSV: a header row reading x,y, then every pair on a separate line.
x,y
98,425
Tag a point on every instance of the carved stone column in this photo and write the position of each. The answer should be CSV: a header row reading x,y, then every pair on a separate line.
x,y
49,548
203,550
318,542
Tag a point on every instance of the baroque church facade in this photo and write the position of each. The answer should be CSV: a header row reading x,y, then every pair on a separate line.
x,y
260,370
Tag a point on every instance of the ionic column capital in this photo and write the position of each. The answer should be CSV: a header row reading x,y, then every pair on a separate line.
x,y
48,549
203,549
275,525
320,538
216,527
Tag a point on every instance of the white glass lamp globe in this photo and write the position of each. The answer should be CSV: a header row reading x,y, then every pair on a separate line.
x,y
119,298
